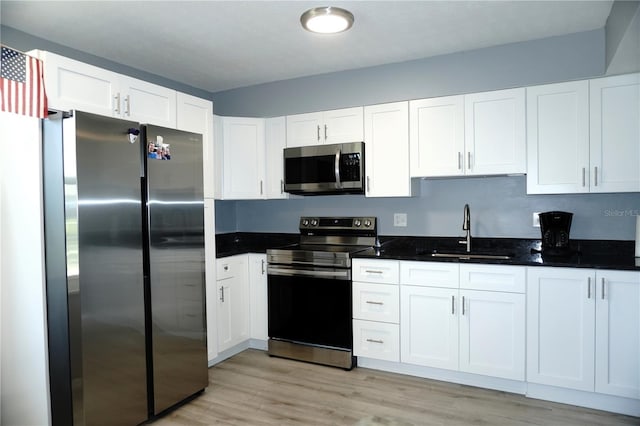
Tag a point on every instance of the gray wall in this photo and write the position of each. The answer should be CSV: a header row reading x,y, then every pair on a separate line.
x,y
25,42
499,205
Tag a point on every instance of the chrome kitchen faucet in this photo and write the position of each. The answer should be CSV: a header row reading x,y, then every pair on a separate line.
x,y
466,226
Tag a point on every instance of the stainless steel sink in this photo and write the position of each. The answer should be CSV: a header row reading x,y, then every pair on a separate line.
x,y
472,255
460,254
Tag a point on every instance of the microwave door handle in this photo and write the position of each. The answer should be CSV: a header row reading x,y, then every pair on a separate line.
x,y
337,169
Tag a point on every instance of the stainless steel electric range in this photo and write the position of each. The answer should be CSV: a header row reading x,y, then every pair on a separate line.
x,y
309,290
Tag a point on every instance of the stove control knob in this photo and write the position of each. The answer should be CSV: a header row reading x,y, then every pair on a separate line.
x,y
367,223
357,223
314,222
305,222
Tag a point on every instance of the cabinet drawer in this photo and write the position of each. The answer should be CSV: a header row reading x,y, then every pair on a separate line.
x,y
433,274
230,267
377,340
375,271
510,279
376,302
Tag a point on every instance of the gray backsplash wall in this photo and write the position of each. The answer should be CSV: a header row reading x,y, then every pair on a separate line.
x,y
499,208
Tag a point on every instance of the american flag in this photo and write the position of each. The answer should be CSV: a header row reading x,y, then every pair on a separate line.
x,y
22,89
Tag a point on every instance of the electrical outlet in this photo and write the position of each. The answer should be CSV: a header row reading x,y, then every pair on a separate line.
x,y
400,219
536,220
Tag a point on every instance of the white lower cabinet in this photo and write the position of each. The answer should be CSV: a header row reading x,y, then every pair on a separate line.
x,y
465,329
233,301
583,330
376,309
258,295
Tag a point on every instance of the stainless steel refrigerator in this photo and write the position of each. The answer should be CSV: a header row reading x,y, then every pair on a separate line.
x,y
124,250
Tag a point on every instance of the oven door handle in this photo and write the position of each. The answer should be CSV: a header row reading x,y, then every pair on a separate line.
x,y
342,274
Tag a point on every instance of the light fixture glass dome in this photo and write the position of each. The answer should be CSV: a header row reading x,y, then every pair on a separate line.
x,y
327,20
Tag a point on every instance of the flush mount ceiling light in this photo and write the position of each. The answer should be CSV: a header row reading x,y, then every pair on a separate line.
x,y
326,20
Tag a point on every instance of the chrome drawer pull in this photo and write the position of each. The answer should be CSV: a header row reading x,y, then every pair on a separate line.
x,y
370,302
375,341
373,272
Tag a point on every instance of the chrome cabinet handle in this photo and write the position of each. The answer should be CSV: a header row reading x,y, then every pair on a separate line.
x,y
281,186
589,288
583,177
602,288
226,267
127,103
453,305
595,175
318,127
116,108
325,132
368,184
459,160
462,305
375,341
469,160
261,192
222,294
262,263
371,302
372,271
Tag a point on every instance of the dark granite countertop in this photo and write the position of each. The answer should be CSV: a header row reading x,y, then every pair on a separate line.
x,y
251,242
600,254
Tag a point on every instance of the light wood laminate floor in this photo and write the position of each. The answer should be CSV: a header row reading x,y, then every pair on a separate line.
x,y
254,389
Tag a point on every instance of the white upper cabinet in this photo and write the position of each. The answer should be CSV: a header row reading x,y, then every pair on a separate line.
x,y
475,134
243,174
72,84
196,115
437,136
615,134
325,127
584,136
387,150
558,138
275,142
147,103
495,136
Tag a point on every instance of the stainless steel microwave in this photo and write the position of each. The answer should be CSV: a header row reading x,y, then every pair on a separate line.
x,y
324,169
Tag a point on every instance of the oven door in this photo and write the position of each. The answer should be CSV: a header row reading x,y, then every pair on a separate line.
x,y
310,305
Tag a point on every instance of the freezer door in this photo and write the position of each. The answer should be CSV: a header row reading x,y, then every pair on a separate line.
x,y
176,264
103,209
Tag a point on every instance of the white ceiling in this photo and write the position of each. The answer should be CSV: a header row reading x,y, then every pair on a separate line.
x,y
220,45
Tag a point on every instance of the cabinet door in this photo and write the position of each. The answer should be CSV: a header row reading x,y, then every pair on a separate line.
x,y
437,136
492,333
275,142
343,125
495,136
305,129
615,133
243,140
196,115
258,295
560,327
74,85
386,130
429,326
618,333
147,103
233,303
558,138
